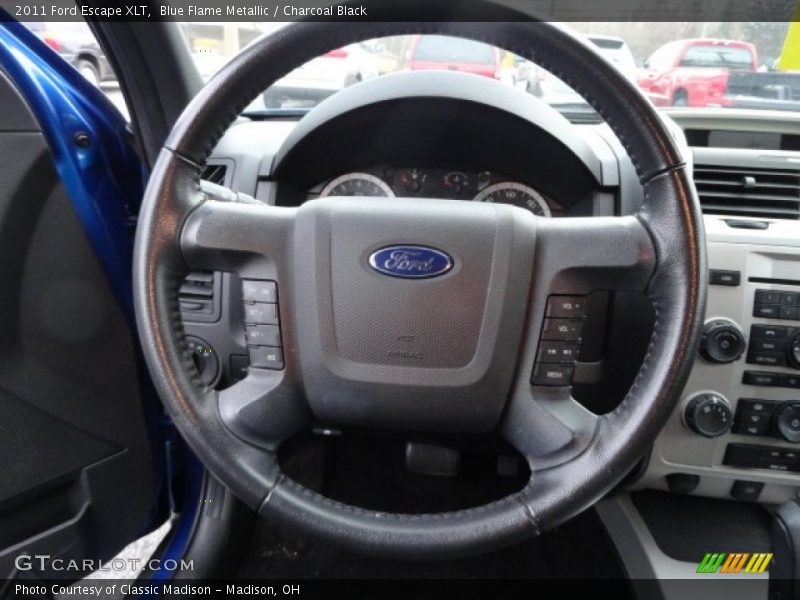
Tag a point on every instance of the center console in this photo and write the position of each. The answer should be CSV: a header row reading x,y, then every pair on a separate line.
x,y
736,430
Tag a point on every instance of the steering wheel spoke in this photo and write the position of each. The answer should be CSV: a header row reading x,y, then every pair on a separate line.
x,y
265,408
583,255
248,239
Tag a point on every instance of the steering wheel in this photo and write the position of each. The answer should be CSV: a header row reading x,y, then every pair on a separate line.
x,y
451,353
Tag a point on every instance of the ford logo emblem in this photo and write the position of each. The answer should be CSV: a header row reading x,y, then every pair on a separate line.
x,y
410,262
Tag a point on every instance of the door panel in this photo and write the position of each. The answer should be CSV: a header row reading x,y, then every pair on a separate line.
x,y
77,468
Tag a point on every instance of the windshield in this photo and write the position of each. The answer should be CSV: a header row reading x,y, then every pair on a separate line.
x,y
699,65
439,48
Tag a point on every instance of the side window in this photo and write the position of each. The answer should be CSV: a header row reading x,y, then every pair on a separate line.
x,y
76,44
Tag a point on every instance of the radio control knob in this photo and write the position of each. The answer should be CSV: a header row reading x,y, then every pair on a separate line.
x,y
709,415
722,341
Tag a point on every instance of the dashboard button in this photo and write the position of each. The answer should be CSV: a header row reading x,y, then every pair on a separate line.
x,y
760,378
766,311
562,330
769,332
768,297
567,307
722,277
261,313
263,335
557,352
774,459
790,298
748,491
789,313
789,381
552,375
259,291
767,346
752,406
767,359
265,358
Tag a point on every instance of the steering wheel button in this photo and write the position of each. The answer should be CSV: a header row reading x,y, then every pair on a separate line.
x,y
552,375
557,352
568,307
259,291
562,330
261,314
265,358
263,335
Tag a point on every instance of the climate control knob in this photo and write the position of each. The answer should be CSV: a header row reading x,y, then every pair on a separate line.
x,y
787,421
722,341
709,415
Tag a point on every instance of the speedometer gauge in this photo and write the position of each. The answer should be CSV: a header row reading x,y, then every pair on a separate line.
x,y
357,184
508,192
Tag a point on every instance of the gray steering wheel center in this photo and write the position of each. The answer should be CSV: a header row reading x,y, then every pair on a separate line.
x,y
434,353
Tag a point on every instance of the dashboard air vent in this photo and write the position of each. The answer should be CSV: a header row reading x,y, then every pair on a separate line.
x,y
748,192
198,296
215,173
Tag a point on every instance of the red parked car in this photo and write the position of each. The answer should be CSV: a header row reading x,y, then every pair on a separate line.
x,y
453,54
694,72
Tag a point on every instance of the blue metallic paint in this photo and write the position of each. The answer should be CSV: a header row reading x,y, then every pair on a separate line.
x,y
103,178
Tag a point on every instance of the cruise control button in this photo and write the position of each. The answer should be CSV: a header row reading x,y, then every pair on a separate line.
x,y
552,375
265,358
567,307
263,335
261,314
566,330
259,291
557,352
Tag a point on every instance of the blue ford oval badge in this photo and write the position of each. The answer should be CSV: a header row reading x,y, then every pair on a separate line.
x,y
410,262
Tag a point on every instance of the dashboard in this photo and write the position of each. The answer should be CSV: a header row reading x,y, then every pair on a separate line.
x,y
435,182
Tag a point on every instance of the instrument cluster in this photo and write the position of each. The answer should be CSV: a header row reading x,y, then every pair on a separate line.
x,y
440,183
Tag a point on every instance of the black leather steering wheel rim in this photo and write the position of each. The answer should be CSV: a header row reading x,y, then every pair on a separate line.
x,y
670,216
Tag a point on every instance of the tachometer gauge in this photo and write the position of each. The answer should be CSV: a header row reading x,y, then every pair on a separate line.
x,y
357,184
508,192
